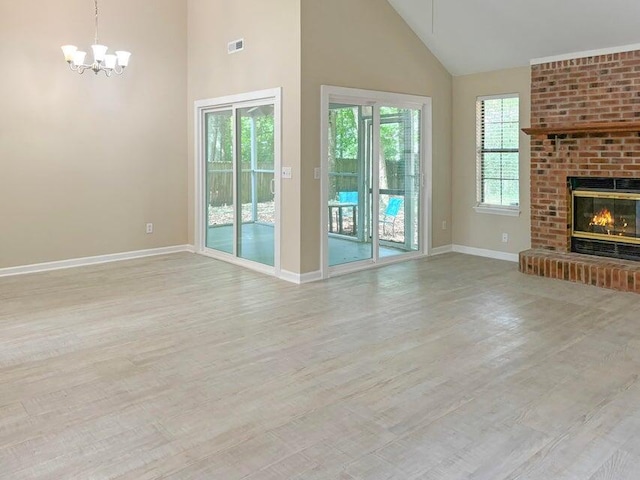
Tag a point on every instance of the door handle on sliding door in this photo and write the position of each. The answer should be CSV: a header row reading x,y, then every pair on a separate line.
x,y
273,186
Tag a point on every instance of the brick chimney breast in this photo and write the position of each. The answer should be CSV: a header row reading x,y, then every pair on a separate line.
x,y
564,93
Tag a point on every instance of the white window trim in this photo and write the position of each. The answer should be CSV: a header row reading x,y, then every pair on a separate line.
x,y
497,210
482,98
488,208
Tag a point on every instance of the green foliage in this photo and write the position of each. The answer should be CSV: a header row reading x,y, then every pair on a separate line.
x,y
345,121
219,154
264,139
220,137
390,141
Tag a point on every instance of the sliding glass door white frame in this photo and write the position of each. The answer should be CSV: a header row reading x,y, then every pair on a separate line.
x,y
375,99
233,103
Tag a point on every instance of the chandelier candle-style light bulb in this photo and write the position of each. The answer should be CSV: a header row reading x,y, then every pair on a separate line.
x,y
102,61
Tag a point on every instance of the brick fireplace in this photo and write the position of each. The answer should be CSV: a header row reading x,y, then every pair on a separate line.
x,y
584,124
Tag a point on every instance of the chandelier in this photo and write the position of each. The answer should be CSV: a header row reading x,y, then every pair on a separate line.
x,y
102,61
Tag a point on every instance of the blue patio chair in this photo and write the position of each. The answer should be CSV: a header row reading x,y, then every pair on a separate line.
x,y
391,212
348,197
348,201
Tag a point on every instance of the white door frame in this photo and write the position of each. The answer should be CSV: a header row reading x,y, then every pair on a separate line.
x,y
355,96
233,102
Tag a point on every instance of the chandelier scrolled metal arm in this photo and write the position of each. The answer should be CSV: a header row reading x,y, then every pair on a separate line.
x,y
102,61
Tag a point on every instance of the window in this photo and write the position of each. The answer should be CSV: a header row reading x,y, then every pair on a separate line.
x,y
497,139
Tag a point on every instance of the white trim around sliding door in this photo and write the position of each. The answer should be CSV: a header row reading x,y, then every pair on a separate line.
x,y
331,94
233,102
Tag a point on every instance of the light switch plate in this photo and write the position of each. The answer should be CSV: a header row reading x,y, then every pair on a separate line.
x,y
286,172
316,173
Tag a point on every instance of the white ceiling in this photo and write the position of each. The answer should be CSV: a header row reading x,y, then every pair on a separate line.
x,y
471,36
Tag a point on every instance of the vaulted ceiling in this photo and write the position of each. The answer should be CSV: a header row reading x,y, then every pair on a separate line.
x,y
470,36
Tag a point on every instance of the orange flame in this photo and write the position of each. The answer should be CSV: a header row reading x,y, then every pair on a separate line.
x,y
602,219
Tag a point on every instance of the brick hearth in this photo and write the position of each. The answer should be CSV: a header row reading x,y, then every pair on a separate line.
x,y
596,89
597,271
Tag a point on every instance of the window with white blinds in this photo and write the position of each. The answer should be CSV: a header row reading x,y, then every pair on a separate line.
x,y
497,141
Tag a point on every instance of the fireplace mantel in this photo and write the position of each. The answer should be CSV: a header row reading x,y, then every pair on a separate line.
x,y
584,128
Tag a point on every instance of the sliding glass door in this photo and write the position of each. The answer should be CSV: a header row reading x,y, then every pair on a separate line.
x,y
349,178
239,160
256,184
374,181
220,199
399,179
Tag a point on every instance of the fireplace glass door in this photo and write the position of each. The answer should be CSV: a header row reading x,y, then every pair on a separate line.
x,y
607,216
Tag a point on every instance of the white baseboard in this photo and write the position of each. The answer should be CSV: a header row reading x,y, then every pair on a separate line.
x,y
300,278
82,262
441,250
296,278
481,252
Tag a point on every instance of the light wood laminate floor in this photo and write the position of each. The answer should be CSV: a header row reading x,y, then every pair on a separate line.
x,y
182,367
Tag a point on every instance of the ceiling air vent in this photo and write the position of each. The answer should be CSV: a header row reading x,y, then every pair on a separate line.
x,y
236,46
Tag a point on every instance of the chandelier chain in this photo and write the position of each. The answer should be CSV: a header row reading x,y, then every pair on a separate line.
x,y
96,3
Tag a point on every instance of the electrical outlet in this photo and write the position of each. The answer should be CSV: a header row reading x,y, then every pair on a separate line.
x,y
316,173
444,224
149,227
505,237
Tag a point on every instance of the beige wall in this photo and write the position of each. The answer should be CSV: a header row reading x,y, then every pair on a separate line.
x,y
366,44
271,30
86,161
481,230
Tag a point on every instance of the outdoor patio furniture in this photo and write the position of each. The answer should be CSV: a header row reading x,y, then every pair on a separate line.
x,y
346,200
391,212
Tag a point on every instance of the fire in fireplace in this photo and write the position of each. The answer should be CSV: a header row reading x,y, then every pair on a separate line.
x,y
606,217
